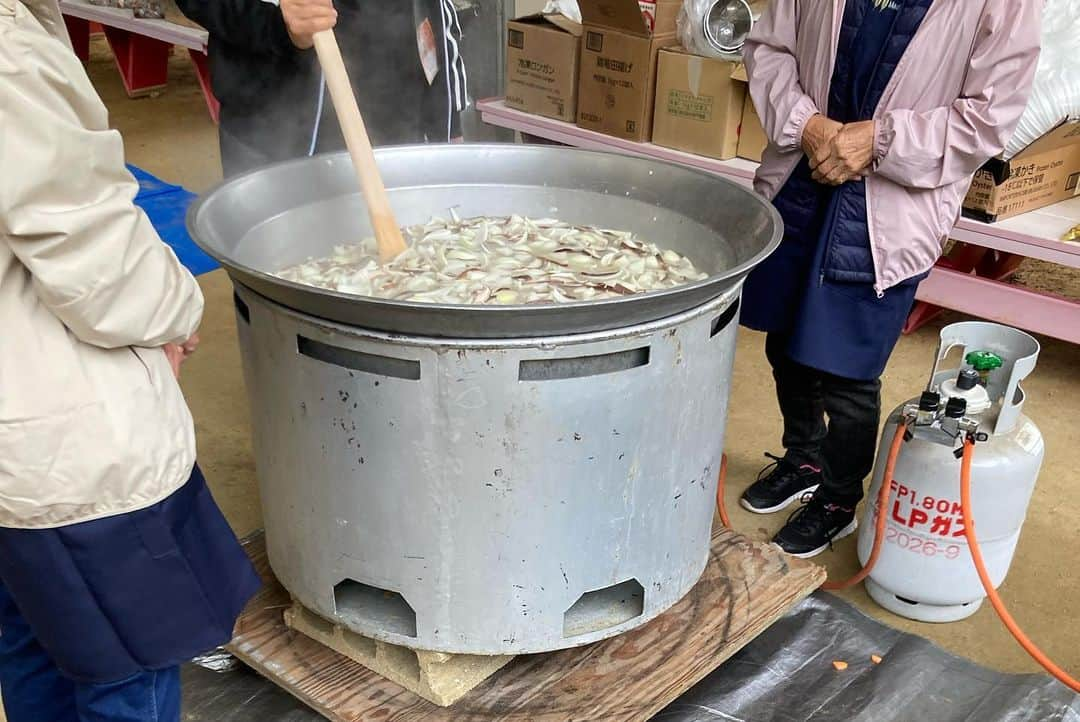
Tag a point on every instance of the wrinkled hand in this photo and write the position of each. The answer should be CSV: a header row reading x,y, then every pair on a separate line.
x,y
178,353
818,133
847,156
304,18
190,345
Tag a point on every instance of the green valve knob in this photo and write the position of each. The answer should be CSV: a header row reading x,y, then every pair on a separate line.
x,y
984,362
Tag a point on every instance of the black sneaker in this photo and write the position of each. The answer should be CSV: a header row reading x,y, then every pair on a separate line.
x,y
813,528
779,485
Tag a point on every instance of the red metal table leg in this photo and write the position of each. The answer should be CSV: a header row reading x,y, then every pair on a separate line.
x,y
998,265
921,314
143,62
79,31
202,71
963,257
976,261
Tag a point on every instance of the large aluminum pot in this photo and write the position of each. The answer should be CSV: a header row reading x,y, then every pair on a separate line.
x,y
503,482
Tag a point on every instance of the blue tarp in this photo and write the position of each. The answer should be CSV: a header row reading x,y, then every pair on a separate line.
x,y
166,205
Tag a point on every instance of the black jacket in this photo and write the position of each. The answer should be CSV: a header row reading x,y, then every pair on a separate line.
x,y
269,90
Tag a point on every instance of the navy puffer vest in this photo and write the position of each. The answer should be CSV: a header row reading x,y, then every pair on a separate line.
x,y
802,202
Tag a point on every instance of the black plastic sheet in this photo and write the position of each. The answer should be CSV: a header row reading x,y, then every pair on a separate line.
x,y
785,675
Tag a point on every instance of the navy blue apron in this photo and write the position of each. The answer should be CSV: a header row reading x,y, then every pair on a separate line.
x,y
145,590
817,289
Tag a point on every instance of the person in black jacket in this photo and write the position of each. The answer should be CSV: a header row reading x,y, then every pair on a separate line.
x,y
274,105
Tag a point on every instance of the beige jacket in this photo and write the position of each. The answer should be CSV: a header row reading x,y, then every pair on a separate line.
x,y
92,422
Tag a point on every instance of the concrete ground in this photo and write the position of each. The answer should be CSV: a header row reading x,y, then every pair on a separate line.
x,y
172,137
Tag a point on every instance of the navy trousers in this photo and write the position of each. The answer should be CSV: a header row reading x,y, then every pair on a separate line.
x,y
98,615
34,689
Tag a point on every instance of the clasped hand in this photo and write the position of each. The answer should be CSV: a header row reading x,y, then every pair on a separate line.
x,y
838,153
178,353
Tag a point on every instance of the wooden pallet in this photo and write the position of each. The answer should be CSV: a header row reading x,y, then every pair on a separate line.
x,y
745,588
436,676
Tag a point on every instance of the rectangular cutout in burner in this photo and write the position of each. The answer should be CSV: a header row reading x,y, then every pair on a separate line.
x,y
724,320
582,366
368,363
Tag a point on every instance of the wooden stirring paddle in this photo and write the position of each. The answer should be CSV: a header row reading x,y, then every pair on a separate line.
x,y
387,232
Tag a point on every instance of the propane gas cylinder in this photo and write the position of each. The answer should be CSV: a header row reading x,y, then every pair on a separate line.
x,y
924,571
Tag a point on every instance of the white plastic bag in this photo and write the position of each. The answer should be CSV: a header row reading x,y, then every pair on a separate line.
x,y
690,27
1055,96
569,8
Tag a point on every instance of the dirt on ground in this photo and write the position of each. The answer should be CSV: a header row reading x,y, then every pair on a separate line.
x,y
1049,278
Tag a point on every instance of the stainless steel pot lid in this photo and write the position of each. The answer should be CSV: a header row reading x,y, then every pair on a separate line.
x,y
270,218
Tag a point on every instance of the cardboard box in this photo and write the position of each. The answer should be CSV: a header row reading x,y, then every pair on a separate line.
x,y
542,54
1044,173
618,65
699,104
752,138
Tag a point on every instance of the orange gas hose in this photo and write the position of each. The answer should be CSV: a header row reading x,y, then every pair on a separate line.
x,y
720,506
999,606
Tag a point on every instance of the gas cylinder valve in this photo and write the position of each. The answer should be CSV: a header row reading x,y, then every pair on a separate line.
x,y
955,408
926,412
946,426
965,398
968,380
983,363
